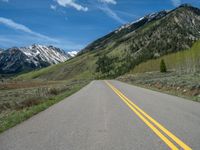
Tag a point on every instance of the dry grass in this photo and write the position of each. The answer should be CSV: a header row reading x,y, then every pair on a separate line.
x,y
18,95
20,103
10,84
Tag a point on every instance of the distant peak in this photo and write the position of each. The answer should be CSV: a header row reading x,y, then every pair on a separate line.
x,y
73,53
159,14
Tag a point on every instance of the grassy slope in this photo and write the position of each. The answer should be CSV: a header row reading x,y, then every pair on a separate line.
x,y
81,67
183,61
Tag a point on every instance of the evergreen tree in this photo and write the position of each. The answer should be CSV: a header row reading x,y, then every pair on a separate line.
x,y
163,67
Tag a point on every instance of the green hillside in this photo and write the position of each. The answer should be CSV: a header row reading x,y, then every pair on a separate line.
x,y
184,61
156,35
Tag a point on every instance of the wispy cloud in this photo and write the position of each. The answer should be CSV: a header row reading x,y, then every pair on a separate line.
x,y
30,36
16,26
71,3
5,1
53,7
109,1
103,5
176,2
108,11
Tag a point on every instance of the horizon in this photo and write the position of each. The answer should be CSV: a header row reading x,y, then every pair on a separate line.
x,y
68,24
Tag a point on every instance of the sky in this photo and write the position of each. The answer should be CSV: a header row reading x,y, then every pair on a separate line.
x,y
71,24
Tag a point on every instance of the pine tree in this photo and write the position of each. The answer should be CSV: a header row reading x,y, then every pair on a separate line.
x,y
163,67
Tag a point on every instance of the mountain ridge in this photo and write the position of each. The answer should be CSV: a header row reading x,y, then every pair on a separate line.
x,y
16,60
134,26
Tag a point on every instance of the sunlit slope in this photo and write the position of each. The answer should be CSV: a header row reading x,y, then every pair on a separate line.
x,y
183,61
76,68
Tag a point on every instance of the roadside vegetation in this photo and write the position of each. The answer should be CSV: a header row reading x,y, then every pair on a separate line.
x,y
21,100
185,85
177,73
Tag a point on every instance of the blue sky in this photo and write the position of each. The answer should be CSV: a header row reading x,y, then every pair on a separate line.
x,y
70,24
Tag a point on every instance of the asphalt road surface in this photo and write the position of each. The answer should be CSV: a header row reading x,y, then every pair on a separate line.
x,y
110,116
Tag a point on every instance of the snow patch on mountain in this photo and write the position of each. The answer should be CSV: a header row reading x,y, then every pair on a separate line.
x,y
157,15
73,53
148,18
49,54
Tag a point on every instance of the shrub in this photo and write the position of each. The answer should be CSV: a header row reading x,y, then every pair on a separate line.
x,y
53,91
29,103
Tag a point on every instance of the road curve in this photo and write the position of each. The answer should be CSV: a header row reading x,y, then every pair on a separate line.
x,y
110,116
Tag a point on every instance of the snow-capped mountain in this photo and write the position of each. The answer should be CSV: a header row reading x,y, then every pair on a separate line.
x,y
49,54
143,20
15,60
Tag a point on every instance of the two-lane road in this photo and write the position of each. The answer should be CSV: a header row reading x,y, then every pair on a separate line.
x,y
110,116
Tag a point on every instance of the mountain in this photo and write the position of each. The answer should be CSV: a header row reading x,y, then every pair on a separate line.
x,y
152,36
153,28
15,60
124,30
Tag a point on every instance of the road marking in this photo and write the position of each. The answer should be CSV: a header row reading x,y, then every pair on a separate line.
x,y
141,114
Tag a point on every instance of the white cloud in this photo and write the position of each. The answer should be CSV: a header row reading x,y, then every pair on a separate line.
x,y
111,13
72,3
176,2
10,23
109,1
53,7
103,6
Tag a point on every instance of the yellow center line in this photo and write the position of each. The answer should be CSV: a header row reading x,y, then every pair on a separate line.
x,y
140,113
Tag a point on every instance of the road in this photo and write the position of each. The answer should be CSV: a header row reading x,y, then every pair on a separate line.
x,y
110,116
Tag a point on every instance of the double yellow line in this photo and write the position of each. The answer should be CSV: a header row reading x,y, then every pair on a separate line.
x,y
151,123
